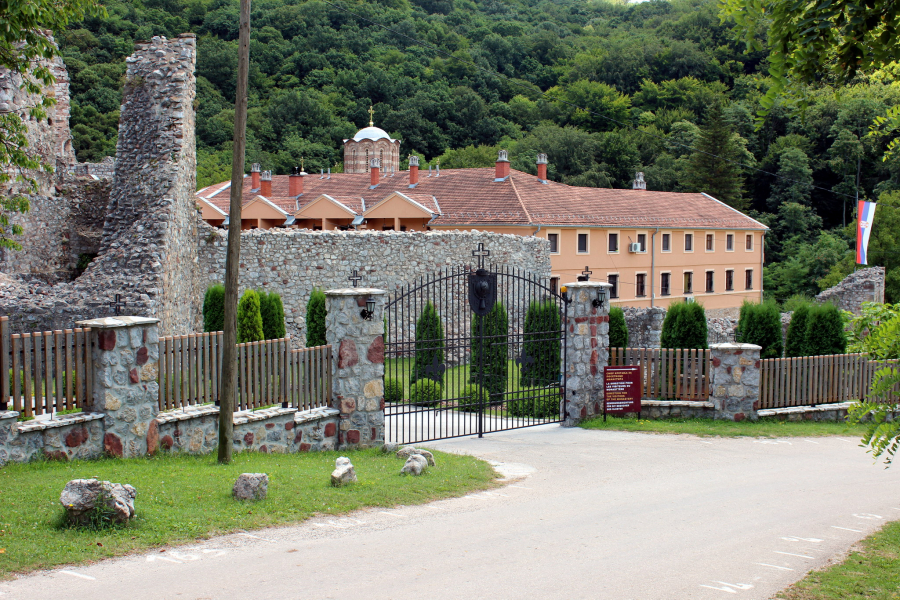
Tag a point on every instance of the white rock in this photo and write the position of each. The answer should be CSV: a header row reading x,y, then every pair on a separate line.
x,y
415,465
81,497
343,472
251,486
408,451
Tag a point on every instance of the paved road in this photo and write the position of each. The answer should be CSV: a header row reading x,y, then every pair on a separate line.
x,y
597,515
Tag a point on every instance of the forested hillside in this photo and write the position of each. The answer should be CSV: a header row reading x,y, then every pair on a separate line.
x,y
604,89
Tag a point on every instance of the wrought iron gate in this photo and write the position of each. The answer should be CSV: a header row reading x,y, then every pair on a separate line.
x,y
472,351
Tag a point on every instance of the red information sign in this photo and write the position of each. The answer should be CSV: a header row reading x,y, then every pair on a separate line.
x,y
622,389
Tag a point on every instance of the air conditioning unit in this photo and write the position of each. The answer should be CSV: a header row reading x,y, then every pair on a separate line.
x,y
688,299
634,247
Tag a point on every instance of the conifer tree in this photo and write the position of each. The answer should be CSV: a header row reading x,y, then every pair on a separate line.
x,y
713,167
684,326
760,324
825,330
272,311
618,329
315,319
496,350
214,308
249,320
542,321
795,344
429,345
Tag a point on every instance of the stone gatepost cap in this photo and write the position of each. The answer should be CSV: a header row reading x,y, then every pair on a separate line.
x,y
588,284
730,346
356,292
114,322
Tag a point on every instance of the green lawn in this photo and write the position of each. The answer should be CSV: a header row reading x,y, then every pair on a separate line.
x,y
710,428
871,572
184,498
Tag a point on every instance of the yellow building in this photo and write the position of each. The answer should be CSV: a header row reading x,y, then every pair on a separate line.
x,y
654,247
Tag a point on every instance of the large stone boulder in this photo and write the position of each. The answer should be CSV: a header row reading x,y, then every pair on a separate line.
x,y
415,465
251,486
89,499
343,472
408,451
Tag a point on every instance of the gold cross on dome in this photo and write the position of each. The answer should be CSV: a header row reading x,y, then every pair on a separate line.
x,y
371,116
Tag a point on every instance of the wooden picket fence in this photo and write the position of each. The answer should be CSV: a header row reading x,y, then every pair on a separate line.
x,y
45,372
268,373
812,380
668,374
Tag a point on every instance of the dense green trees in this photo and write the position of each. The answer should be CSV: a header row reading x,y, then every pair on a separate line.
x,y
543,349
214,308
825,330
250,324
494,361
760,324
315,319
618,329
429,359
795,342
684,326
272,312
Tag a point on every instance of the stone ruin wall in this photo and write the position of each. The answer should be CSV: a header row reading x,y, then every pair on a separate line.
x,y
293,262
148,250
865,285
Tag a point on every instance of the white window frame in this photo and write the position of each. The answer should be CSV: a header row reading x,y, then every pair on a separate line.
x,y
618,288
685,292
729,289
752,242
558,235
706,274
646,237
644,295
733,238
693,241
618,242
661,273
661,249
708,233
578,233
750,288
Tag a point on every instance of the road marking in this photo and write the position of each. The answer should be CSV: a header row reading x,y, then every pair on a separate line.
x,y
156,557
528,488
810,441
731,588
250,535
702,442
801,539
723,589
218,551
774,566
79,575
391,513
843,440
847,529
772,442
869,516
791,554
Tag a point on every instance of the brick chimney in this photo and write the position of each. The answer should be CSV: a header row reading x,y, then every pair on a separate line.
x,y
295,182
254,176
265,183
374,170
639,183
501,172
413,171
542,167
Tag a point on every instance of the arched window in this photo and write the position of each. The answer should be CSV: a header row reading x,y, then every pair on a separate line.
x,y
381,160
366,166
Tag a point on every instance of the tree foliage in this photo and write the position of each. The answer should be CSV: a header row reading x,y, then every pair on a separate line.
x,y
250,324
430,346
541,344
272,311
684,326
315,319
825,330
618,329
760,324
214,308
795,344
494,362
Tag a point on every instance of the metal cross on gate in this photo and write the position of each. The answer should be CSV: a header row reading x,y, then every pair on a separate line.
x,y
117,304
481,253
355,278
587,273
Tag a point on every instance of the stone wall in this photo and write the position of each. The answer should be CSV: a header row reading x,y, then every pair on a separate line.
x,y
865,285
68,437
644,326
148,250
293,262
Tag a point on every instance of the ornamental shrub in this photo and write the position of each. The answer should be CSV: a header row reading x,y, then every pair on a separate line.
x,y
760,324
315,319
825,330
214,308
249,325
472,396
618,330
795,344
496,350
429,345
534,404
426,392
541,343
684,326
393,390
272,311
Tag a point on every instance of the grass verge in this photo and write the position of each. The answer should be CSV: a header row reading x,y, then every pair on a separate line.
x,y
872,571
710,428
183,498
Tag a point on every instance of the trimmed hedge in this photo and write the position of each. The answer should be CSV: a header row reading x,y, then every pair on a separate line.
x,y
393,390
825,330
684,326
496,349
546,406
618,329
472,395
249,326
272,311
429,345
426,392
315,319
214,308
542,321
795,344
760,324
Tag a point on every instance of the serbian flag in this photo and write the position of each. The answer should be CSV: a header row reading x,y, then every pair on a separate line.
x,y
866,212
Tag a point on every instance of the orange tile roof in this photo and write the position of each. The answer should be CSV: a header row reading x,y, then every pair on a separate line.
x,y
469,197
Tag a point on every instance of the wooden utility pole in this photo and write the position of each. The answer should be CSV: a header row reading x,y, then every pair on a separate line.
x,y
233,256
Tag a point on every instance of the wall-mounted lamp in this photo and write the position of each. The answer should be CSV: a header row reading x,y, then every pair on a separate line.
x,y
369,311
600,300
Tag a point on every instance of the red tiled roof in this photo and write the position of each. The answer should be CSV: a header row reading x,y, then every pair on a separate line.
x,y
472,197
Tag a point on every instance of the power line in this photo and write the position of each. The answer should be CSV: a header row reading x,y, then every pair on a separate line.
x,y
573,105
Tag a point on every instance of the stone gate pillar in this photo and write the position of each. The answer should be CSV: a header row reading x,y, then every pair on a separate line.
x,y
125,359
735,380
357,366
587,350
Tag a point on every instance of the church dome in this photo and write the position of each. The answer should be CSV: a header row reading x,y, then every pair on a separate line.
x,y
371,133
